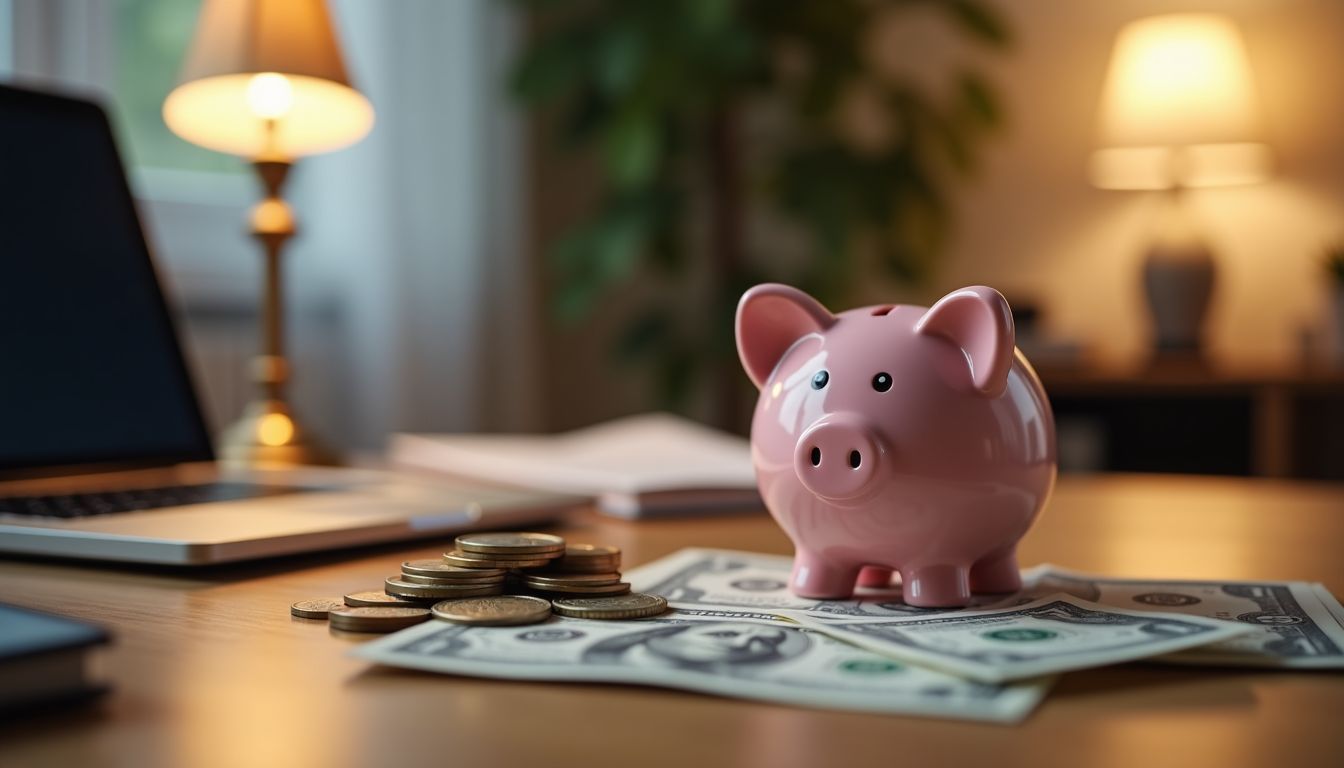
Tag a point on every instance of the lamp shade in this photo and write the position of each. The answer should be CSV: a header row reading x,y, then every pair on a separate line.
x,y
1179,107
265,78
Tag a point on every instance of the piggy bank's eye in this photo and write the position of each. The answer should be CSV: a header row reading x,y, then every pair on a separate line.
x,y
882,382
820,379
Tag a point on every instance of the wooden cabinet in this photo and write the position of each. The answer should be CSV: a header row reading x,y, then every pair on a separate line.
x,y
1204,420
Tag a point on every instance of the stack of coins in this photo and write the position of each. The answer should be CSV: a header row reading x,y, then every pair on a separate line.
x,y
583,579
437,580
376,619
509,551
564,584
587,558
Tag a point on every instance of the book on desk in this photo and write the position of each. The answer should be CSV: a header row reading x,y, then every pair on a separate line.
x,y
642,466
44,660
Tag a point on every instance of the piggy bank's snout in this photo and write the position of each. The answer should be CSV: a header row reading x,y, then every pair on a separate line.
x,y
837,457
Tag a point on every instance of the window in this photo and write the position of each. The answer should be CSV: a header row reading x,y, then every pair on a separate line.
x,y
150,42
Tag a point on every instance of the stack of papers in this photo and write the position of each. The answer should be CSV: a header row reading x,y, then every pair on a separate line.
x,y
648,465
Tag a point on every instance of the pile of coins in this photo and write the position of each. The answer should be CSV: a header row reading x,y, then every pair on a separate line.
x,y
493,579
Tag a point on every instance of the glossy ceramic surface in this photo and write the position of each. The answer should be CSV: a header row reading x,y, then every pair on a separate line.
x,y
897,438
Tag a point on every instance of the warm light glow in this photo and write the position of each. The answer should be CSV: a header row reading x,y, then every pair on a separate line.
x,y
273,216
275,429
221,112
1199,165
1179,107
269,95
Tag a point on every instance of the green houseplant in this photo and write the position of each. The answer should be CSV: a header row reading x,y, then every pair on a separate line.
x,y
704,112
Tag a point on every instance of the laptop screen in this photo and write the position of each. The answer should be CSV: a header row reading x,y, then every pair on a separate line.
x,y
90,369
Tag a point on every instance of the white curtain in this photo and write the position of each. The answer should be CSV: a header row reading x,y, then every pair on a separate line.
x,y
420,227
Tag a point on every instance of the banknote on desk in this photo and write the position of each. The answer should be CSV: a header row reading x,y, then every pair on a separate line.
x,y
748,656
1057,633
724,578
1293,624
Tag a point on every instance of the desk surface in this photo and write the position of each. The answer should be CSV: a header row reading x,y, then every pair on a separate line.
x,y
210,669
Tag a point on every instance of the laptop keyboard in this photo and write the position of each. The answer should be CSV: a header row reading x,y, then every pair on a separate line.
x,y
72,505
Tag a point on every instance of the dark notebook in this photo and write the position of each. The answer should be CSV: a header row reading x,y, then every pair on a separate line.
x,y
43,660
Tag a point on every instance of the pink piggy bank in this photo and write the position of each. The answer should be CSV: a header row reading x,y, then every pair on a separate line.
x,y
897,438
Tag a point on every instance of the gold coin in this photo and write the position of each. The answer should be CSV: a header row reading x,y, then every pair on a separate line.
x,y
380,619
573,579
502,611
373,599
477,582
458,559
636,605
588,558
619,588
315,609
509,542
395,586
438,569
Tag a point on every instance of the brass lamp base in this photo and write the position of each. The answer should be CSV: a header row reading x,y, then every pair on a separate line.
x,y
268,435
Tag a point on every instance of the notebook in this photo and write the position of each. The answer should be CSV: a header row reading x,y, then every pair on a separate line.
x,y
653,464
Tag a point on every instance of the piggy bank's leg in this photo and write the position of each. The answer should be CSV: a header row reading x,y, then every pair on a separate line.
x,y
997,572
819,579
936,586
873,576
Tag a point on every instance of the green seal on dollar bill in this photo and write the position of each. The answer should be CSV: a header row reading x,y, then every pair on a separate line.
x,y
1021,635
870,666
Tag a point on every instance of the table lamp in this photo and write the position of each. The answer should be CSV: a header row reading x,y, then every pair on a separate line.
x,y
1179,111
264,79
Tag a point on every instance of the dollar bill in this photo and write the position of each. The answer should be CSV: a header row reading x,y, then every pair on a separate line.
x,y
1292,623
1297,624
719,578
1046,636
745,656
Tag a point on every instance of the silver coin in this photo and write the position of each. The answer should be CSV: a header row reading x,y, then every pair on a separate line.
x,y
480,581
373,599
438,569
380,619
396,586
501,611
510,542
315,609
573,579
635,605
455,558
619,588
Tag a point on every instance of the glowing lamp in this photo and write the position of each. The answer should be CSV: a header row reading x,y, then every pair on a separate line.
x,y
264,79
1179,111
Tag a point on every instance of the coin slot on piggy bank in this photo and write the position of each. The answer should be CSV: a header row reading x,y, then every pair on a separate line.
x,y
897,439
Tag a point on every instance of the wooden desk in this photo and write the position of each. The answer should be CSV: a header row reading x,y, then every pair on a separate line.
x,y
210,670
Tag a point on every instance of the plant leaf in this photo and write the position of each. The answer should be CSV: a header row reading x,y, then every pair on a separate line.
x,y
980,21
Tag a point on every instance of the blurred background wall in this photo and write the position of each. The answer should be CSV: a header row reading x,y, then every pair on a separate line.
x,y
419,279
1030,224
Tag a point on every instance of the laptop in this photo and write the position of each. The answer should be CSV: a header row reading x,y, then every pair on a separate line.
x,y
104,453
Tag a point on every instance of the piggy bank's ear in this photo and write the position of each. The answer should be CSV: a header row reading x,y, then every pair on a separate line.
x,y
770,318
978,322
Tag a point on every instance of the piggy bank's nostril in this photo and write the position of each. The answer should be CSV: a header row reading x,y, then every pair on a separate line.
x,y
816,456
855,459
